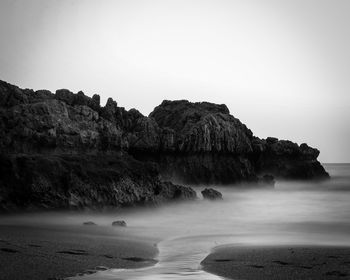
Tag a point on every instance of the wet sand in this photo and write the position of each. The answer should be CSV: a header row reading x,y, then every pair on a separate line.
x,y
279,262
56,252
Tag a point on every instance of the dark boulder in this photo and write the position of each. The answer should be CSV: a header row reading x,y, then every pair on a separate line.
x,y
174,192
211,194
119,224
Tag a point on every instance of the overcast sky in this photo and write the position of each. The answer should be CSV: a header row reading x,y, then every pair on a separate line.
x,y
282,67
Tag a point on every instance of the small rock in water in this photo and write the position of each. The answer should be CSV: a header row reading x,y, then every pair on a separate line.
x,y
211,194
89,223
119,224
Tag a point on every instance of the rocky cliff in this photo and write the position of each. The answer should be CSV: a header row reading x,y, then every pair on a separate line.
x,y
63,149
202,142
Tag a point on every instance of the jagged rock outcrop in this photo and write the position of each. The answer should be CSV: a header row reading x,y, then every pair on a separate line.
x,y
201,127
65,151
46,136
286,159
202,142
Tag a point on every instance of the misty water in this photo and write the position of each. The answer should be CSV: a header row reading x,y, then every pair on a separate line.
x,y
305,213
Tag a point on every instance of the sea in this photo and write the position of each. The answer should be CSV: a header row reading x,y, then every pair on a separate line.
x,y
291,213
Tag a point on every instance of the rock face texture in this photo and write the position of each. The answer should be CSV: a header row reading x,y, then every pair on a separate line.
x,y
202,142
286,159
201,128
211,194
82,181
65,150
119,224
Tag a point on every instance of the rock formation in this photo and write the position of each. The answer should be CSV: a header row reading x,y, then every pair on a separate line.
x,y
211,194
119,224
60,150
203,143
89,223
54,181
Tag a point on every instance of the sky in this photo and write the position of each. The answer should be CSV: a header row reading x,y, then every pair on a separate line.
x,y
281,67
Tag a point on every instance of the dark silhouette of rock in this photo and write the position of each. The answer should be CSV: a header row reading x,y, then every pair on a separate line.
x,y
71,152
271,140
202,143
89,223
201,127
211,194
119,224
285,159
78,181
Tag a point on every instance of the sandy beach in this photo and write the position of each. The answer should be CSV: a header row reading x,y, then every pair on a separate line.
x,y
279,262
61,251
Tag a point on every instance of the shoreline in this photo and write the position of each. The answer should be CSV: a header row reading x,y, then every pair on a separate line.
x,y
57,252
279,262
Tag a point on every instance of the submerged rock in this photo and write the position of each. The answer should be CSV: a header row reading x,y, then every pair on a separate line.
x,y
89,223
211,194
119,224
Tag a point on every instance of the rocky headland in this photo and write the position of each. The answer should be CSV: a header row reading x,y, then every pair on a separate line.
x,y
64,150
